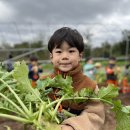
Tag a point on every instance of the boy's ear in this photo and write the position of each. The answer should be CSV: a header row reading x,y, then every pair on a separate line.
x,y
51,56
81,55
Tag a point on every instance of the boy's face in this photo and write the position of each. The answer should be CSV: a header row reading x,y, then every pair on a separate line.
x,y
34,63
90,61
66,57
112,62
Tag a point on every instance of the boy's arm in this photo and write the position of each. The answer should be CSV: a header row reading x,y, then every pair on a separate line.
x,y
92,118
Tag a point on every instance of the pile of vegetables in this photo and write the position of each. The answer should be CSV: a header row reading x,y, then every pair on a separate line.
x,y
22,103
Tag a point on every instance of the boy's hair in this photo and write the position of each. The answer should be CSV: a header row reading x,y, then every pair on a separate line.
x,y
66,34
112,58
88,58
33,58
10,56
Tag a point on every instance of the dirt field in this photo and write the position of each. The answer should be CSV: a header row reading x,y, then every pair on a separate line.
x,y
109,122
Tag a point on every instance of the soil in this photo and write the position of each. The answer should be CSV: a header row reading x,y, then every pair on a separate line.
x,y
109,122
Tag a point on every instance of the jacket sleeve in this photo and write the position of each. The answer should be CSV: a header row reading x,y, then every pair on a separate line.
x,y
91,118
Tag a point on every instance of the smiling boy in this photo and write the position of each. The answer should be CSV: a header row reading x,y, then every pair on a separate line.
x,y
66,49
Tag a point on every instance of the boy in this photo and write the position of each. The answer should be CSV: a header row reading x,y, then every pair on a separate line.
x,y
89,69
34,70
9,63
66,49
112,71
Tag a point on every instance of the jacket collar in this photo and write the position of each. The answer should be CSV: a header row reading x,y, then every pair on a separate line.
x,y
76,73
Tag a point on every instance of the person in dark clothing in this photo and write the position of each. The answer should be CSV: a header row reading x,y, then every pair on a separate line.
x,y
9,63
112,71
127,70
34,70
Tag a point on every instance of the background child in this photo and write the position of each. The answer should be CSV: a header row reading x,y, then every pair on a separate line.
x,y
89,68
112,71
66,49
34,70
9,63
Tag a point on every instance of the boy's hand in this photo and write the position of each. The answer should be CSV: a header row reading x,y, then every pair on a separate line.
x,y
35,69
66,127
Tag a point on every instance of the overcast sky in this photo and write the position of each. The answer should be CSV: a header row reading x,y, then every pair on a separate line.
x,y
104,20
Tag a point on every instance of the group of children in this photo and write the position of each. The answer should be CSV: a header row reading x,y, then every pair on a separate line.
x,y
110,72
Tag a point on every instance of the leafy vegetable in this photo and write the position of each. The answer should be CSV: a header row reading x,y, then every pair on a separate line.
x,y
21,102
7,127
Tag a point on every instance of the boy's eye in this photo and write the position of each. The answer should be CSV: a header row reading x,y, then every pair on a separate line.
x,y
58,51
71,51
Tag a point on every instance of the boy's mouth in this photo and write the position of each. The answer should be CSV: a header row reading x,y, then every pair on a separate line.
x,y
65,64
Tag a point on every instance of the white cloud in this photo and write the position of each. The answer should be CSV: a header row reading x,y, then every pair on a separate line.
x,y
104,19
6,11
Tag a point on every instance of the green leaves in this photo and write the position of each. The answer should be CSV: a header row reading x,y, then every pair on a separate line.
x,y
17,99
52,126
35,107
7,127
122,121
86,92
20,73
106,94
64,85
126,109
109,92
122,115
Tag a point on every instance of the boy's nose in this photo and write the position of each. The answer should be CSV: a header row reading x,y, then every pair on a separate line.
x,y
65,55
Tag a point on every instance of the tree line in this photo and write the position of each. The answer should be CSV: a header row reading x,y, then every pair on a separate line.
x,y
106,49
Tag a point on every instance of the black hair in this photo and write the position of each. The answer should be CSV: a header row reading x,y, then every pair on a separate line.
x,y
10,56
88,58
33,58
66,34
127,66
112,58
